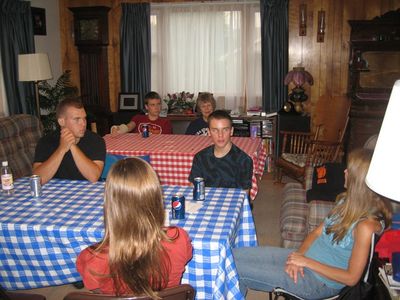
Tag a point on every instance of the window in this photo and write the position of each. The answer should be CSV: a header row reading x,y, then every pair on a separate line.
x,y
208,47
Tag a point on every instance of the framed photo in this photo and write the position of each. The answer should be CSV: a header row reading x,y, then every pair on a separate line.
x,y
128,102
38,20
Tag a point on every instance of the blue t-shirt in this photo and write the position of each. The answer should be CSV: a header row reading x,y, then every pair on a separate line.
x,y
328,252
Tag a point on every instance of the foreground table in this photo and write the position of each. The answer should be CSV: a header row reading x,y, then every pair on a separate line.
x,y
40,239
171,155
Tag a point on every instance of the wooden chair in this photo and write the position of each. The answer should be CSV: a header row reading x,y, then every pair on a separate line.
x,y
181,292
301,150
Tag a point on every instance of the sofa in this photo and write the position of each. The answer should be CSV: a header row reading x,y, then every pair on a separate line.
x,y
297,216
19,135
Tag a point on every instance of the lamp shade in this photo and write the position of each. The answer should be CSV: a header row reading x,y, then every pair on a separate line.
x,y
383,174
34,67
299,76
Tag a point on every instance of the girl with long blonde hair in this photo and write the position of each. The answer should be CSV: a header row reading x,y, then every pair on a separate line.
x,y
138,255
334,255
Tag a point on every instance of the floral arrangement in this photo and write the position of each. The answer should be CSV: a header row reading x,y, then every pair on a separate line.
x,y
182,102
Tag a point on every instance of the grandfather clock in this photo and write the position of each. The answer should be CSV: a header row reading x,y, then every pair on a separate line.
x,y
91,38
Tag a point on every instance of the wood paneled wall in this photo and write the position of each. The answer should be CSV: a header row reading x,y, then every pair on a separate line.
x,y
327,61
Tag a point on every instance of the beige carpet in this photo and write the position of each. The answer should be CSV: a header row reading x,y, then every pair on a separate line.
x,y
266,218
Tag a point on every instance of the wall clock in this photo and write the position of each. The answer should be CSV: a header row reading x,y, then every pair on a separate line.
x,y
90,25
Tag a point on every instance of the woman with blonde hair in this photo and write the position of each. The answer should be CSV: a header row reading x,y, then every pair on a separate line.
x,y
334,255
138,255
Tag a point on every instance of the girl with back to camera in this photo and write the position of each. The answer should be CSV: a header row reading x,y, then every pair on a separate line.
x,y
332,256
137,255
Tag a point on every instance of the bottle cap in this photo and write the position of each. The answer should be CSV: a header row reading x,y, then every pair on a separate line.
x,y
4,164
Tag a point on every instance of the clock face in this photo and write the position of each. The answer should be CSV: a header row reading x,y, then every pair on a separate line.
x,y
89,29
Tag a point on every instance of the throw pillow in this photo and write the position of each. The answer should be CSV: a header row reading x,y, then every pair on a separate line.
x,y
113,158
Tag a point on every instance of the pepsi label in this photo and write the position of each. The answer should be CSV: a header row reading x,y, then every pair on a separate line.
x,y
253,131
199,193
178,206
145,131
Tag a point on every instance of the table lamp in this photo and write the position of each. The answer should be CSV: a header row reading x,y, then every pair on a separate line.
x,y
383,173
34,67
298,76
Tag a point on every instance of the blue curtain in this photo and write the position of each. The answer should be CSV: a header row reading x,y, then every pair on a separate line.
x,y
274,52
16,37
135,49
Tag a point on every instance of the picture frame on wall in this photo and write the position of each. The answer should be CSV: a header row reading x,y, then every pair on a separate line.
x,y
38,20
128,101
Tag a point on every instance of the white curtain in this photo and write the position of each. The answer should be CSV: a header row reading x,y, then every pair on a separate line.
x,y
210,47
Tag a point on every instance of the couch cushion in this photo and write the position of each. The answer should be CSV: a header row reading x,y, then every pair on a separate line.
x,y
296,159
293,215
19,135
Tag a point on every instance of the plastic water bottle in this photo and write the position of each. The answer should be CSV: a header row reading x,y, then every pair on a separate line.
x,y
7,181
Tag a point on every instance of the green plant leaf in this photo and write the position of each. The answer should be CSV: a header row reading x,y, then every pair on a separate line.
x,y
50,96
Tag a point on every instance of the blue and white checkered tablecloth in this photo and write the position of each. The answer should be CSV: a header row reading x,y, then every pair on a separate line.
x,y
40,239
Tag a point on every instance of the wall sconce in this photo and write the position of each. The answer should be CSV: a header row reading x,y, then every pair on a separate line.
x,y
303,20
321,26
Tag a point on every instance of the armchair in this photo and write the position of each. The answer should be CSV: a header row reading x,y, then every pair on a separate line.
x,y
301,150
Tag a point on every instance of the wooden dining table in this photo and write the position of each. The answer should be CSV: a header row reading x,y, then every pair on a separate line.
x,y
171,155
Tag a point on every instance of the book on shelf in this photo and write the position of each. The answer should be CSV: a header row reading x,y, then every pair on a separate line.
x,y
260,113
273,114
253,113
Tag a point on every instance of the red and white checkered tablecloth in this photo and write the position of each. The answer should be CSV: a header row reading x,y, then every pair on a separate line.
x,y
171,155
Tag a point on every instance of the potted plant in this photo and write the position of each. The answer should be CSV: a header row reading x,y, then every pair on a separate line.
x,y
182,102
51,95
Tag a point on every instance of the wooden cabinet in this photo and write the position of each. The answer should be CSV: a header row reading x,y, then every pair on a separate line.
x,y
374,67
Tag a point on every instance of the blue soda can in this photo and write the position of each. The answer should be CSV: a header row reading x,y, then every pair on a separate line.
x,y
199,193
36,187
178,206
145,131
253,131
